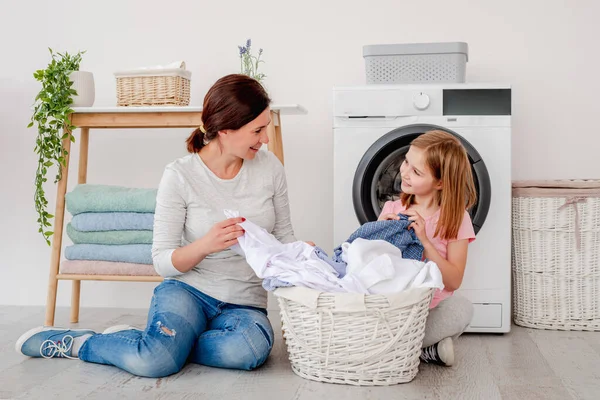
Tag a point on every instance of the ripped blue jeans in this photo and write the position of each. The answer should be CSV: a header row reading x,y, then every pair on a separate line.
x,y
184,325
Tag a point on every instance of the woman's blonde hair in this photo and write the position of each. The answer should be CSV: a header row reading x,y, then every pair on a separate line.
x,y
447,160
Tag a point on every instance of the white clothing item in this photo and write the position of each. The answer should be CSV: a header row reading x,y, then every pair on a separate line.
x,y
427,275
379,266
361,252
295,263
380,270
344,255
345,246
374,266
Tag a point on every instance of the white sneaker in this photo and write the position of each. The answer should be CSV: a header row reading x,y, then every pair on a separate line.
x,y
119,328
441,353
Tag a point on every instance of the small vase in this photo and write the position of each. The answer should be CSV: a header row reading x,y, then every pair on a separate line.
x,y
83,83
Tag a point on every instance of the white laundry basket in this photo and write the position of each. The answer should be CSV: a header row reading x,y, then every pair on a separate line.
x,y
416,63
556,254
352,338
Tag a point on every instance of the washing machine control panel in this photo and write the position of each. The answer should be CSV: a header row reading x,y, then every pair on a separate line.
x,y
421,101
393,101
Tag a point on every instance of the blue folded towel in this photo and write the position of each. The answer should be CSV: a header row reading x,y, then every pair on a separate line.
x,y
109,237
113,221
104,198
130,253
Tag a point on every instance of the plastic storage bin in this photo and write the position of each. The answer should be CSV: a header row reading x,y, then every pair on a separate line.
x,y
416,63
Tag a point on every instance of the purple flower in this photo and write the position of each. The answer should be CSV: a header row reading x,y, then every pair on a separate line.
x,y
242,50
248,43
260,51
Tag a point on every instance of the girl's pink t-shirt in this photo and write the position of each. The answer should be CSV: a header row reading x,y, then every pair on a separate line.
x,y
441,245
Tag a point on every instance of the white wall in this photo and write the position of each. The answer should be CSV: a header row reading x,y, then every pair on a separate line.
x,y
546,49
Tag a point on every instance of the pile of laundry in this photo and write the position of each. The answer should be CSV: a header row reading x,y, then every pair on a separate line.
x,y
380,257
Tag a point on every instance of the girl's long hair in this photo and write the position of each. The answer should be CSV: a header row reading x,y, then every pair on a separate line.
x,y
447,160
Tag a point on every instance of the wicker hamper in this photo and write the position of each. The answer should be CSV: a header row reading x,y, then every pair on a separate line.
x,y
556,254
352,338
154,87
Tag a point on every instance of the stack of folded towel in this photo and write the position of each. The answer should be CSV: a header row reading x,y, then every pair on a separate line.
x,y
111,230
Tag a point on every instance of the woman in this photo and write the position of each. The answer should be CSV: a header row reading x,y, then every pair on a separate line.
x,y
211,307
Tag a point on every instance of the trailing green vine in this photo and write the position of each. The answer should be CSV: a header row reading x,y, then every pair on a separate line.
x,y
51,115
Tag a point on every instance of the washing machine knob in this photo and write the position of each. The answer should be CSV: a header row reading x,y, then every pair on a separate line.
x,y
421,101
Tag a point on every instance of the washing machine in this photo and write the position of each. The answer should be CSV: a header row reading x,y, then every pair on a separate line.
x,y
373,126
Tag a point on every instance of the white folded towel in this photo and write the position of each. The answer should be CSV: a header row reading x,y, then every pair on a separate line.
x,y
176,68
173,65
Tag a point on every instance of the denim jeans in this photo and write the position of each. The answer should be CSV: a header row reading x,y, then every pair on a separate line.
x,y
185,324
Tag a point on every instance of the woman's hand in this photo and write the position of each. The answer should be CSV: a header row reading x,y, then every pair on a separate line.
x,y
222,235
417,224
387,217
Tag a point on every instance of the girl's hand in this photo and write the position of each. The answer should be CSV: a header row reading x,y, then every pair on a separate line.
x,y
222,235
308,242
417,224
387,217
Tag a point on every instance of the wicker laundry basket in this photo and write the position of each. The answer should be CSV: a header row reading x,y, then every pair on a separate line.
x,y
354,339
556,254
154,87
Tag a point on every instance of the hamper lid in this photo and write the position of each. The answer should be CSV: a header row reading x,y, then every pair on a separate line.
x,y
557,188
416,48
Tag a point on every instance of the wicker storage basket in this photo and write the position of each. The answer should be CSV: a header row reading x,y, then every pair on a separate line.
x,y
354,339
556,254
154,87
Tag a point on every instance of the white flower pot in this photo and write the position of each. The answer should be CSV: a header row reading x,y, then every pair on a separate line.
x,y
83,83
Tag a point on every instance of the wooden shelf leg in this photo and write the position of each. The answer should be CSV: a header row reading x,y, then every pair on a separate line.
x,y
274,132
59,217
75,293
82,178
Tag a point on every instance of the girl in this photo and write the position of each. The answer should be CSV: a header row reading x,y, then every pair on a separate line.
x,y
437,188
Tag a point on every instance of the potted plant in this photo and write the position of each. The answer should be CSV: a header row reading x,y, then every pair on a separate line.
x,y
51,112
249,63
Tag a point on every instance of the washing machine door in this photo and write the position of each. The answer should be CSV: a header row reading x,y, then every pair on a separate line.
x,y
377,178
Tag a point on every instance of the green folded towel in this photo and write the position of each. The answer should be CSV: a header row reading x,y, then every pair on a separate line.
x,y
109,237
104,198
